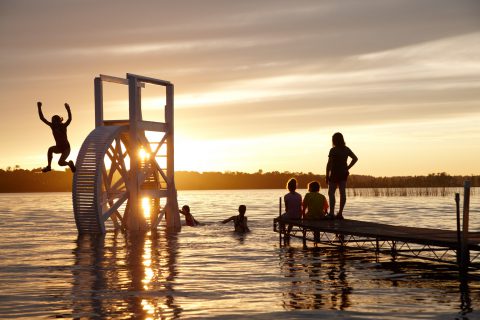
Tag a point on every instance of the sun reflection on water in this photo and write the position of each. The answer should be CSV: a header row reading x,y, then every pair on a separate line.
x,y
141,268
146,207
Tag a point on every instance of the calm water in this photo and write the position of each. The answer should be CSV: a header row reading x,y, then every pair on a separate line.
x,y
47,271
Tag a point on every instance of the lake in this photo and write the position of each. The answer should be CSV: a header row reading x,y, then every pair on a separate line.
x,y
48,271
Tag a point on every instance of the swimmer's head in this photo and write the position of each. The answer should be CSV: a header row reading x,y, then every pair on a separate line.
x,y
57,119
186,209
242,209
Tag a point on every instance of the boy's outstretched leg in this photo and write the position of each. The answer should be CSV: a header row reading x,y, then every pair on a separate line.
x,y
49,156
72,166
62,161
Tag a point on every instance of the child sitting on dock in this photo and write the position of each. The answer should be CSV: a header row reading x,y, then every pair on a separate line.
x,y
59,130
315,204
293,203
189,219
240,221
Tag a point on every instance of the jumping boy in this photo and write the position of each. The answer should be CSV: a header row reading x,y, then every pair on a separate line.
x,y
59,130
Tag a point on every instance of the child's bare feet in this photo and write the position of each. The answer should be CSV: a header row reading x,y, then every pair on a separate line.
x,y
46,169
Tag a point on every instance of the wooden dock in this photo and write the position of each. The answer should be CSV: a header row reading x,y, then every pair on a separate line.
x,y
423,243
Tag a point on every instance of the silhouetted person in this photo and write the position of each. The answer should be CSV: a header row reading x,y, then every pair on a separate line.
x,y
315,205
189,219
240,221
293,203
337,172
59,130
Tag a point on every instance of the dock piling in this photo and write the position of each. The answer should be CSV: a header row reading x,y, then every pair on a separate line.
x,y
465,252
281,226
393,250
459,231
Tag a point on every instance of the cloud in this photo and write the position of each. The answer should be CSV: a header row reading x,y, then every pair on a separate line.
x,y
432,80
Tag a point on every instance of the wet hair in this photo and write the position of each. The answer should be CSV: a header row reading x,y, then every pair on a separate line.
x,y
186,208
57,119
242,208
292,184
337,140
314,186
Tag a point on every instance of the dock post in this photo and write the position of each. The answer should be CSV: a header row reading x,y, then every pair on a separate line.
x,y
394,250
459,234
465,255
304,237
341,238
280,225
316,238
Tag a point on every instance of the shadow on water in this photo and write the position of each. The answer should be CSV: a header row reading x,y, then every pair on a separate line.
x,y
125,276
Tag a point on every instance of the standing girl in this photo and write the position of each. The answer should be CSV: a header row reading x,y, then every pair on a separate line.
x,y
337,172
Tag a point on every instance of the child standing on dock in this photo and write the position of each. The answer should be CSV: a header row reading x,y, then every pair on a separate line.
x,y
337,172
240,221
315,204
59,130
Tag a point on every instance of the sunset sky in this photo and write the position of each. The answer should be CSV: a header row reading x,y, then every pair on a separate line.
x,y
258,84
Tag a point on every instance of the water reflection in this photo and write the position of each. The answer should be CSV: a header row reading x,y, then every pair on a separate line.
x,y
316,282
324,278
125,276
465,300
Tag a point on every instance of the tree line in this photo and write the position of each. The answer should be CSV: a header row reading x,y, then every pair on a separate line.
x,y
21,180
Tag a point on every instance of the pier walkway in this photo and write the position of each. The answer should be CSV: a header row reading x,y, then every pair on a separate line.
x,y
423,243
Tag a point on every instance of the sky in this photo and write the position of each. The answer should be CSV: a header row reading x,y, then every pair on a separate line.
x,y
258,84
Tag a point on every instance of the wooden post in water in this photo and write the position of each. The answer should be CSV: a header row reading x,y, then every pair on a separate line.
x,y
465,254
459,231
394,250
279,222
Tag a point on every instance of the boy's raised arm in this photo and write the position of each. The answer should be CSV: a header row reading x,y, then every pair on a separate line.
x,y
69,114
40,113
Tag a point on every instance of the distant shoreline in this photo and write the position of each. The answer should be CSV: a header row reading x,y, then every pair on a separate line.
x,y
20,180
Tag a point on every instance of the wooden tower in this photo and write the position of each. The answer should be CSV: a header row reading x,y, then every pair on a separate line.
x,y
121,173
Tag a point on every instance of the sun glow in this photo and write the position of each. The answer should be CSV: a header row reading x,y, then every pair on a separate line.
x,y
144,155
146,207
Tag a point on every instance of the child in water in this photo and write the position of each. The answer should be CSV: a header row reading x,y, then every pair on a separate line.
x,y
189,219
240,221
59,130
